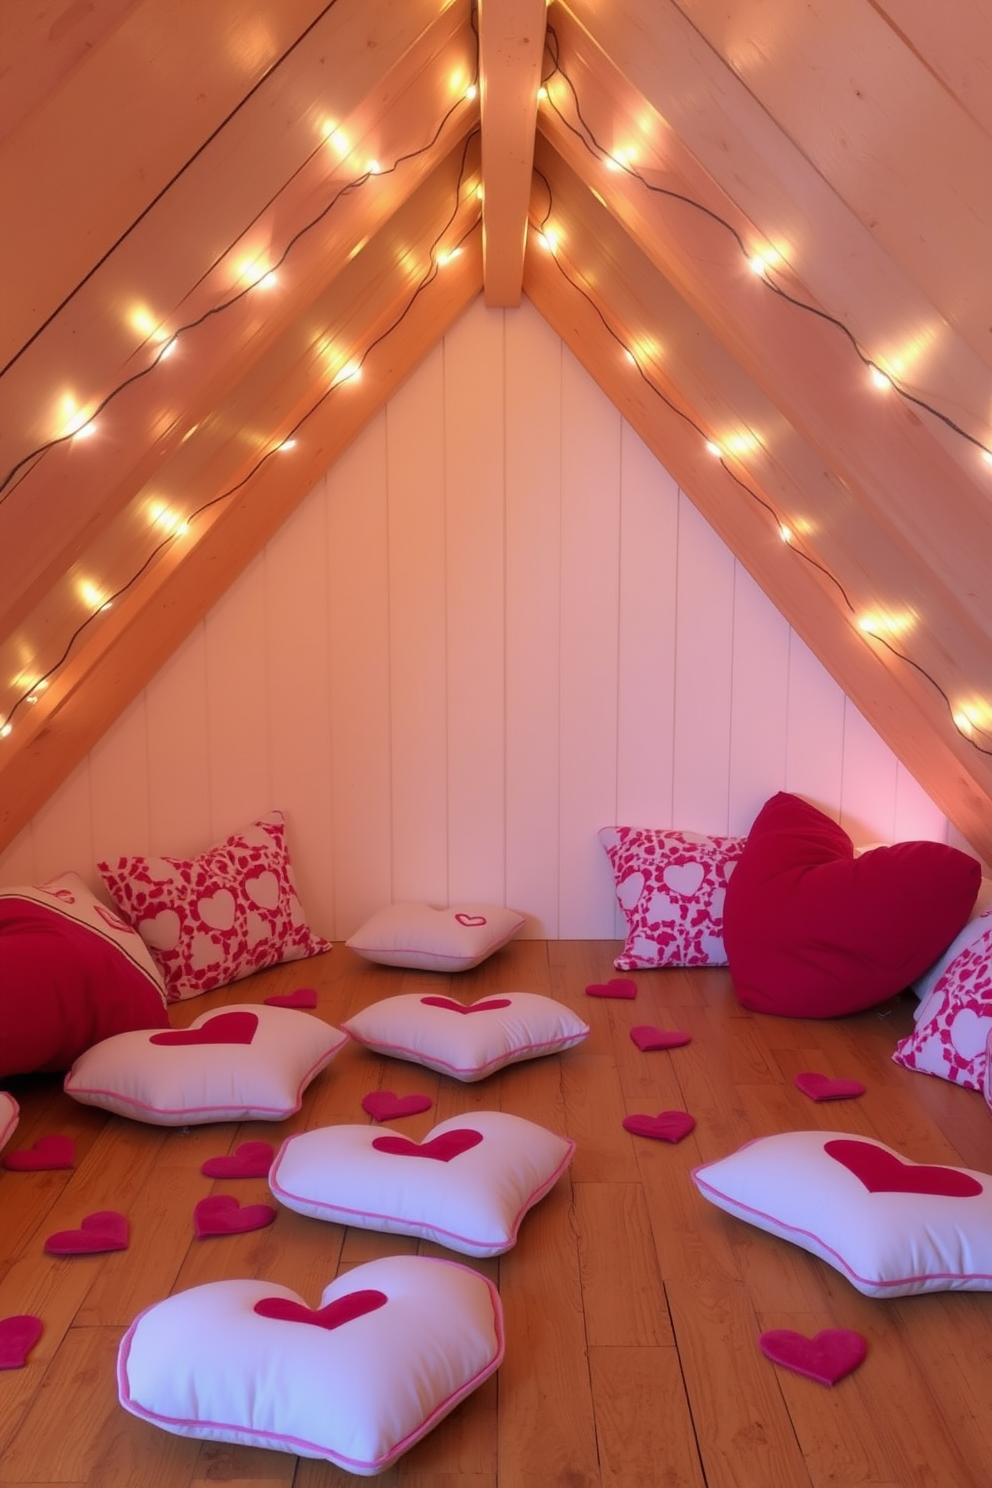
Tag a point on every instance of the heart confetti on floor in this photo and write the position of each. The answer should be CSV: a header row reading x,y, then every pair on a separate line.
x,y
303,997
221,1214
647,1037
823,1088
386,1105
106,1229
250,1160
827,1357
18,1336
55,1151
615,987
667,1126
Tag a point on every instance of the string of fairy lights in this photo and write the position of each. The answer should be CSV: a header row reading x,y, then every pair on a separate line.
x,y
968,721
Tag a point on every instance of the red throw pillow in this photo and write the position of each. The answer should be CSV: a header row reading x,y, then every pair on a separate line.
x,y
811,931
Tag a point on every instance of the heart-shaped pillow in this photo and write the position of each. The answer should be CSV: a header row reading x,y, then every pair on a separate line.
x,y
431,938
349,1382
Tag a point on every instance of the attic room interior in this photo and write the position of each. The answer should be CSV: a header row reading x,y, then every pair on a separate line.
x,y
496,518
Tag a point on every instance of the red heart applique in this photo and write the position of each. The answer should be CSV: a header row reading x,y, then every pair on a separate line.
x,y
107,1229
54,1151
385,1105
473,1007
250,1160
882,1171
223,1215
822,1088
646,1037
303,997
667,1126
226,1028
615,987
341,1310
473,921
18,1336
441,1148
827,1357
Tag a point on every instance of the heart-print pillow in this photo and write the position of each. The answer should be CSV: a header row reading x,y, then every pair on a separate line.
x,y
892,1226
391,1349
429,938
954,1021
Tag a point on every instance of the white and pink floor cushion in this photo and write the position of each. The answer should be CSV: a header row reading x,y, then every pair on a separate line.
x,y
429,937
392,1349
467,1185
9,1115
246,1062
468,1040
892,1226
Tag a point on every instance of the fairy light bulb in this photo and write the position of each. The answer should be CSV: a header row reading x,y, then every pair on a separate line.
x,y
879,379
785,533
350,372
714,449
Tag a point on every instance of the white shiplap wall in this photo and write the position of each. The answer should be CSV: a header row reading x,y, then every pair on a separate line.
x,y
494,626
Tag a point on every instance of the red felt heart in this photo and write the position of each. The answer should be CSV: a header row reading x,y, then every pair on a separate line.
x,y
827,1357
615,987
882,1171
384,1105
471,920
54,1151
341,1310
250,1160
223,1215
460,1007
667,1126
441,1148
18,1336
107,1229
226,1028
303,997
646,1037
822,1088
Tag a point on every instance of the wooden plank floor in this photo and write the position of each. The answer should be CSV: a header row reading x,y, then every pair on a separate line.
x,y
632,1306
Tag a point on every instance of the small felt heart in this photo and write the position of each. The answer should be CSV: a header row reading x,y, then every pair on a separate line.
x,y
646,1037
667,1126
615,987
826,1357
250,1160
55,1151
223,1215
471,920
460,1007
18,1336
106,1229
441,1148
883,1172
226,1028
341,1310
385,1105
303,997
822,1088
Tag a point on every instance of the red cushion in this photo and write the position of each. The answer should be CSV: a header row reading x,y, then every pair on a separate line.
x,y
811,931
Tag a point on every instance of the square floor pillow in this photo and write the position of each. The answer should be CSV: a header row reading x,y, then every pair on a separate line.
x,y
214,918
954,1021
467,1185
671,887
393,1347
813,930
427,938
245,1062
9,1114
71,974
892,1226
467,1040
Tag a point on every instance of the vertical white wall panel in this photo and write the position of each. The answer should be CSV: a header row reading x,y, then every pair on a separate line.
x,y
238,734
118,787
759,705
814,746
178,745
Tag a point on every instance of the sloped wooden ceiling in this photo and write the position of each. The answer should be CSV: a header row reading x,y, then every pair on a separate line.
x,y
233,229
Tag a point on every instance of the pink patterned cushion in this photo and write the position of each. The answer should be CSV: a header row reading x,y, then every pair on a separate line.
x,y
223,915
954,1022
670,886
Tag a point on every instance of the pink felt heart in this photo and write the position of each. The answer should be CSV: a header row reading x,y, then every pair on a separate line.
x,y
223,1215
471,920
667,1126
823,1088
646,1037
226,1028
250,1160
442,1148
106,1229
883,1172
303,997
18,1336
460,1007
827,1357
615,987
54,1151
385,1105
341,1310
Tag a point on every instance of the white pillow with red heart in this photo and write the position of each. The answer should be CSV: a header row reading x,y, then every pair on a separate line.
x,y
9,1113
892,1226
392,1349
428,938
245,1062
467,1185
467,1040
954,1020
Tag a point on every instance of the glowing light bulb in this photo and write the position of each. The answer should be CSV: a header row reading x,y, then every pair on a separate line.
x,y
963,724
373,167
542,93
445,258
269,280
168,349
868,625
630,356
351,372
758,264
987,456
90,595
287,444
549,239
471,92
339,140
6,730
785,533
714,449
879,378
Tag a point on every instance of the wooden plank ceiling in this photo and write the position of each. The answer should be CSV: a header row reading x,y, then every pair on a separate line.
x,y
764,229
